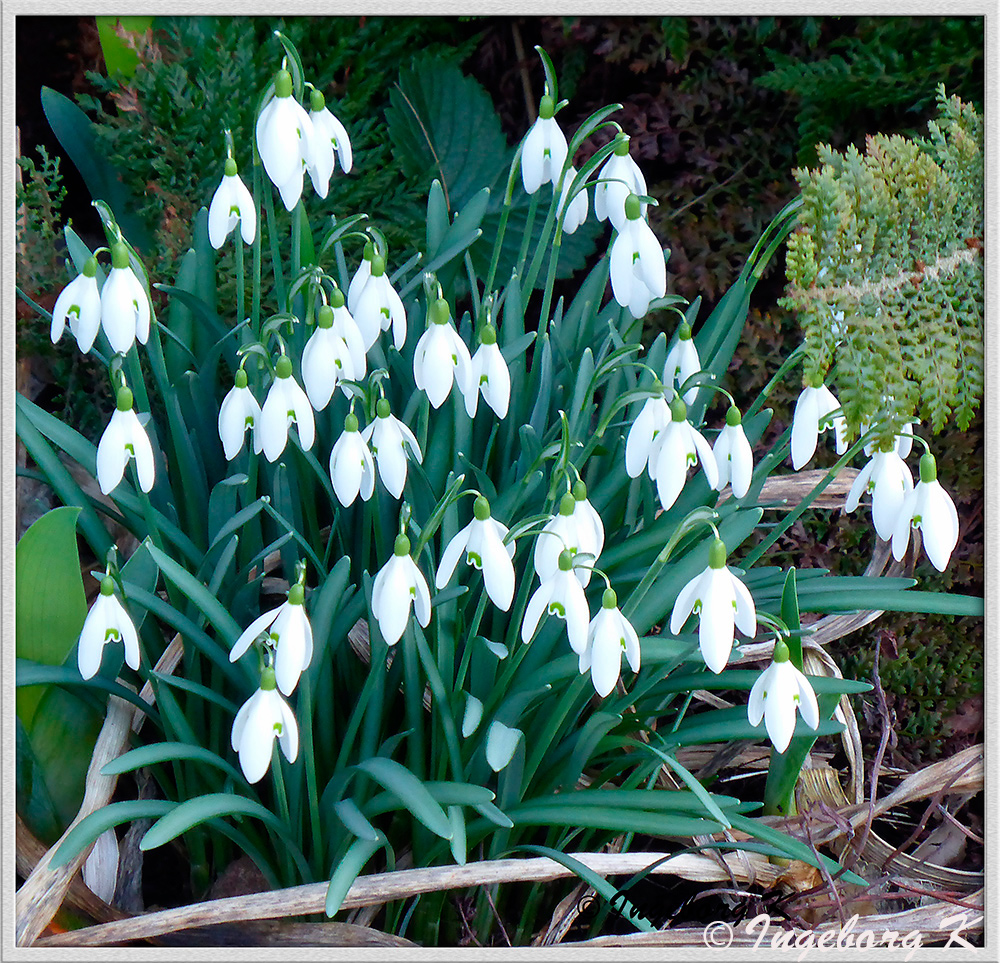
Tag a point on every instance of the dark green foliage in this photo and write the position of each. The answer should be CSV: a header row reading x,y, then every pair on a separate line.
x,y
886,70
167,133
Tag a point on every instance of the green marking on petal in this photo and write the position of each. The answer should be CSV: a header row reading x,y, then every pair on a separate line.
x,y
385,311
413,591
74,312
690,459
484,380
557,608
278,728
473,559
111,634
129,448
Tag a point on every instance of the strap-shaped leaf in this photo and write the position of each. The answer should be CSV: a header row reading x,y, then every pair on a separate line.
x,y
411,791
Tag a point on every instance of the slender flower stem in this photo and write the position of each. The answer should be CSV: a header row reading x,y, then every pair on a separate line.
x,y
504,215
470,636
240,293
272,233
306,729
550,280
282,800
257,242
526,239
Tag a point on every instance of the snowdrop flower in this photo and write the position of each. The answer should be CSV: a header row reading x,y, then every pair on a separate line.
x,y
352,469
733,455
682,362
930,508
329,144
238,412
489,375
544,150
388,438
638,271
232,203
561,595
564,532
378,306
814,412
285,402
441,357
610,634
888,479
643,436
284,140
80,304
361,277
903,442
286,628
326,359
619,177
679,446
346,328
124,438
576,212
588,522
777,693
722,603
124,305
482,542
264,716
107,621
399,584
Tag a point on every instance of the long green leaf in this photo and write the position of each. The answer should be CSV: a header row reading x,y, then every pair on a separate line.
x,y
107,817
159,752
411,791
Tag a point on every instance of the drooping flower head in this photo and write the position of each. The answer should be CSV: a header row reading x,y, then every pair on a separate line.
x,y
388,439
927,507
814,413
563,532
239,412
346,328
722,603
326,360
638,270
232,204
482,542
441,357
352,469
284,140
107,621
489,375
643,441
576,212
888,480
287,631
619,177
360,278
378,306
733,455
286,403
264,717
544,151
124,304
610,635
329,144
398,585
682,362
775,696
79,303
124,438
560,595
679,446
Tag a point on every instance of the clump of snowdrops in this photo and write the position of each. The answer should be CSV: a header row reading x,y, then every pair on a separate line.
x,y
447,565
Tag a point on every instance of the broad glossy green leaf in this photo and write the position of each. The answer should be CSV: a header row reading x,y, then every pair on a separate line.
x,y
347,870
50,604
193,812
77,135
